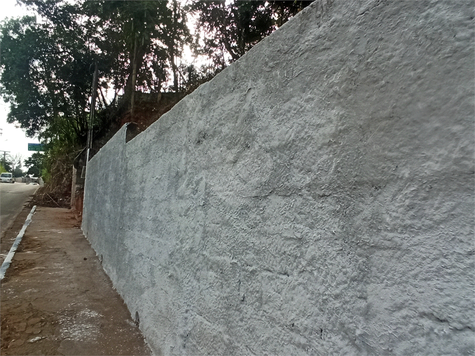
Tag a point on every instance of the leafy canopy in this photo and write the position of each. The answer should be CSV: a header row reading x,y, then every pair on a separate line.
x,y
48,61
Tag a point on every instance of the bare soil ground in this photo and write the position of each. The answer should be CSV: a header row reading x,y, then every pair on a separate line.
x,y
56,298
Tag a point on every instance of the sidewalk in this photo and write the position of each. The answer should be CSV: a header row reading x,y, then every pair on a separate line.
x,y
57,300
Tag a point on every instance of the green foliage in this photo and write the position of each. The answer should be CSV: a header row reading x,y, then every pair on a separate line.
x,y
47,66
20,45
17,172
43,77
7,163
7,166
231,28
46,175
35,164
144,37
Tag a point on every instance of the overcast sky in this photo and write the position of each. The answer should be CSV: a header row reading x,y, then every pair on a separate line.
x,y
12,139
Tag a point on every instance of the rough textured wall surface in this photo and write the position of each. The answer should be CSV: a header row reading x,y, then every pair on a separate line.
x,y
315,198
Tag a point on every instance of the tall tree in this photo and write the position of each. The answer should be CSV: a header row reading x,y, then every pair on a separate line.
x,y
43,76
147,35
228,29
176,34
47,65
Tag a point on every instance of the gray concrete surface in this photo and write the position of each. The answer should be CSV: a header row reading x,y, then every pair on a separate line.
x,y
315,198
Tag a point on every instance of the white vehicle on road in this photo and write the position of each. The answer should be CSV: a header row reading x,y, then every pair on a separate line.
x,y
7,178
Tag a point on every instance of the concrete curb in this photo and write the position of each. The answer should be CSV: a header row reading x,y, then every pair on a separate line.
x,y
16,243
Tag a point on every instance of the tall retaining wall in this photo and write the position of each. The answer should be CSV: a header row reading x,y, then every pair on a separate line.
x,y
315,198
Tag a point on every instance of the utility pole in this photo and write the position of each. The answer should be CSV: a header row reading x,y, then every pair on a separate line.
x,y
93,112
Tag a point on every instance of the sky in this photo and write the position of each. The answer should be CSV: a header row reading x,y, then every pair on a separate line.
x,y
12,138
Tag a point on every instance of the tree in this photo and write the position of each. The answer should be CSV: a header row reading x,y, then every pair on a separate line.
x,y
176,34
284,10
16,163
20,46
44,76
17,172
35,164
231,28
147,37
7,164
47,66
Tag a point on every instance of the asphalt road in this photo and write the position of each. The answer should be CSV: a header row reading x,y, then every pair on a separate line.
x,y
12,199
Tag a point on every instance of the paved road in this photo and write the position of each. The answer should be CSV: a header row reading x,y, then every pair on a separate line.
x,y
12,199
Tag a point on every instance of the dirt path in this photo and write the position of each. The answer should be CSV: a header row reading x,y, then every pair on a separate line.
x,y
55,297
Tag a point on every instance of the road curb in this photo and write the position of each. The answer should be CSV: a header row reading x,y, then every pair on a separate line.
x,y
16,243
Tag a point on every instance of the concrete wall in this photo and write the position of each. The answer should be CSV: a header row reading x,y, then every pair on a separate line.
x,y
315,198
